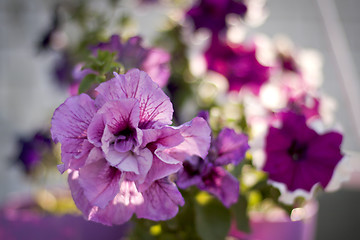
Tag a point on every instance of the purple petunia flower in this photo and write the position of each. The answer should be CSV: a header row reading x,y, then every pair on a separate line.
x,y
33,149
120,149
299,157
132,54
238,64
209,175
211,14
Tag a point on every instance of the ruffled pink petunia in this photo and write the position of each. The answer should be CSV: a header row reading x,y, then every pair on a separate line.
x,y
120,149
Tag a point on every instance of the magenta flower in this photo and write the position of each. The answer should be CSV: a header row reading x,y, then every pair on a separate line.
x,y
132,54
120,149
298,156
238,64
211,14
209,175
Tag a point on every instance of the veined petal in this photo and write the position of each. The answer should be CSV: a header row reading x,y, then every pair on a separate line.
x,y
161,201
69,127
96,130
196,134
159,170
78,195
165,136
118,211
121,208
155,107
124,161
118,115
100,182
138,163
159,140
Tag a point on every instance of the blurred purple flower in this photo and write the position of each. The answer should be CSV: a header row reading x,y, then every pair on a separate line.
x,y
33,150
298,156
63,70
306,105
209,175
132,54
238,64
121,149
211,14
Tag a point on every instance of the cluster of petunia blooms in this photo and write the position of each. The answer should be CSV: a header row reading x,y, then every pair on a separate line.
x,y
125,157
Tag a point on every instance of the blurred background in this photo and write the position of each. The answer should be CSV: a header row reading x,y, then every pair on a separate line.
x,y
332,27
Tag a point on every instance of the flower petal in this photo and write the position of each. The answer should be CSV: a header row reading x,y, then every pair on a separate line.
x,y
121,208
159,169
118,211
161,201
223,185
191,172
138,163
100,182
196,134
78,195
96,130
69,127
326,150
155,107
156,65
118,115
231,147
165,136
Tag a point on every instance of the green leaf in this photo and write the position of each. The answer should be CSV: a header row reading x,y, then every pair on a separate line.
x,y
87,82
212,220
239,211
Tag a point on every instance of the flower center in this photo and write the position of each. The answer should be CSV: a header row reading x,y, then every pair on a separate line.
x,y
297,151
125,140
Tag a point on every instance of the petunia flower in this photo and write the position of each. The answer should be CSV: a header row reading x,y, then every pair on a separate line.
x,y
211,14
238,64
131,54
209,175
120,149
298,157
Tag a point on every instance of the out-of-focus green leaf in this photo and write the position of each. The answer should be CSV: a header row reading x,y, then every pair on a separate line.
x,y
212,220
239,211
87,82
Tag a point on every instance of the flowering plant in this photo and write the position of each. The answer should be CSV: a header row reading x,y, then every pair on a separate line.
x,y
198,131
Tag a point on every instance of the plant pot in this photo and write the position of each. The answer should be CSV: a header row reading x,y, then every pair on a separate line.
x,y
19,220
282,229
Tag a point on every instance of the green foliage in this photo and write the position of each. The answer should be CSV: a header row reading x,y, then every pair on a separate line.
x,y
239,211
104,64
212,220
88,81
